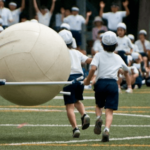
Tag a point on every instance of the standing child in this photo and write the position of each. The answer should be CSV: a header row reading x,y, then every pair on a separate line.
x,y
107,64
76,89
44,15
16,12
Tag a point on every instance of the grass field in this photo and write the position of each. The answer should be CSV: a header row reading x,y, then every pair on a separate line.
x,y
46,127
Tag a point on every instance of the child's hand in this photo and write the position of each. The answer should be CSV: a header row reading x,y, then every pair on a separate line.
x,y
89,14
126,3
86,82
102,4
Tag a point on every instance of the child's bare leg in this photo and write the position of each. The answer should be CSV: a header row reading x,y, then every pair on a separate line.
x,y
80,107
109,118
71,115
98,111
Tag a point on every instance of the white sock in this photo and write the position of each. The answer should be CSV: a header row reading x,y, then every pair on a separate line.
x,y
106,129
98,117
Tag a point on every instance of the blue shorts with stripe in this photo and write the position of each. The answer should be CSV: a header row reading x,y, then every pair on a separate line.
x,y
76,90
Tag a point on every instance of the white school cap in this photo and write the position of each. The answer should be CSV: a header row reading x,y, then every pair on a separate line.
x,y
98,19
1,21
109,38
65,26
122,25
75,9
67,36
143,32
13,4
131,37
1,29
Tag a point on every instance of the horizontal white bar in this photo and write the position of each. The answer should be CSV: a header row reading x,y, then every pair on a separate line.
x,y
65,93
38,83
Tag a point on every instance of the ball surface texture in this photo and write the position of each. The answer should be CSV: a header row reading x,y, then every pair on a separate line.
x,y
32,52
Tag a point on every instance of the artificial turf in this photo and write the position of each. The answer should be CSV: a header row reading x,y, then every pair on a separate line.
x,y
53,113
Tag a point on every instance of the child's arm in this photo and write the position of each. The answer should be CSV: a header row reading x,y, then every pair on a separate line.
x,y
91,73
22,5
87,17
36,6
125,4
102,6
53,6
88,61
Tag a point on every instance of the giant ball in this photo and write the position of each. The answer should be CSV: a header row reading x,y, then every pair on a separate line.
x,y
32,52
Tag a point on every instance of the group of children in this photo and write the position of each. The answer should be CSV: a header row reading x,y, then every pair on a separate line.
x,y
105,66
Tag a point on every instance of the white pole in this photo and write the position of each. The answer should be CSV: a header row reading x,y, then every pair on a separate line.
x,y
38,83
65,93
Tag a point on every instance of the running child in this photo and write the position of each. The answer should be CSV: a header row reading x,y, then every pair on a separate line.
x,y
107,64
77,88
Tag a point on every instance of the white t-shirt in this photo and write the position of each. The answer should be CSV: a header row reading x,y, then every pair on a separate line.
x,y
15,14
76,59
97,47
74,44
75,22
124,44
44,19
135,48
6,15
114,19
108,65
140,45
58,18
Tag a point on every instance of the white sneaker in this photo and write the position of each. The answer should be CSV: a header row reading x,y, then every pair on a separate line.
x,y
129,90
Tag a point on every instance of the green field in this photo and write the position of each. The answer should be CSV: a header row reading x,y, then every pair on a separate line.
x,y
46,127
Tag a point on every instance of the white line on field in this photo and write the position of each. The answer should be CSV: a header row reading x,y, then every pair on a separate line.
x,y
85,97
77,141
66,125
51,110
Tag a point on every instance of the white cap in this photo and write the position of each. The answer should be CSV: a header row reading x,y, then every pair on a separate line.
x,y
143,32
75,9
1,29
33,21
1,21
65,26
67,36
98,19
131,37
109,38
122,25
13,4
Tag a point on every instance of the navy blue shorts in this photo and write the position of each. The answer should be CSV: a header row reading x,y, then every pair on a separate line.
x,y
77,36
76,90
143,54
106,94
123,55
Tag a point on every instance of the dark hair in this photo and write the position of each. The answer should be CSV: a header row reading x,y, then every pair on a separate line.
x,y
69,45
114,4
101,31
109,48
43,7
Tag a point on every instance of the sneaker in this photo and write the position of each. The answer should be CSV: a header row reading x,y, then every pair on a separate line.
x,y
85,122
129,90
76,133
98,126
105,136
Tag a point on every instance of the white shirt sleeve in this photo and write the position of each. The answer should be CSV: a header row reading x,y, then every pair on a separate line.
x,y
105,15
123,14
136,48
18,11
148,46
130,43
95,61
82,19
74,45
66,20
83,58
